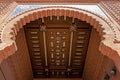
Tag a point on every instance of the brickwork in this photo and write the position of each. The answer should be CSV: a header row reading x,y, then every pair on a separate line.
x,y
6,7
17,66
112,8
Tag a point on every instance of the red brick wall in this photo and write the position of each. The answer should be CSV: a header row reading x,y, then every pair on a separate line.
x,y
97,65
17,66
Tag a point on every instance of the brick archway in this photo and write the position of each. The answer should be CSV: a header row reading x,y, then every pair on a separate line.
x,y
107,47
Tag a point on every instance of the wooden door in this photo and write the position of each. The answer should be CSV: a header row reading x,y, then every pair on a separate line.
x,y
57,47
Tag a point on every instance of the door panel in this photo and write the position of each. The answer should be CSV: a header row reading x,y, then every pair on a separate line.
x,y
58,47
35,46
79,50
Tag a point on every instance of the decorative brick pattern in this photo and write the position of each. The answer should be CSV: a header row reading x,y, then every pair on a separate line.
x,y
3,6
6,8
113,8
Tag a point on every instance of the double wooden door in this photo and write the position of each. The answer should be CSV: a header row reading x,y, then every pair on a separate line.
x,y
57,51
